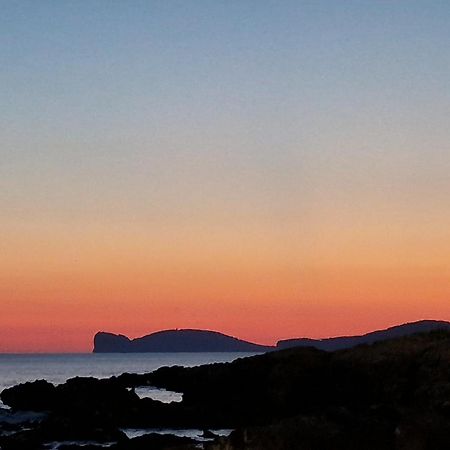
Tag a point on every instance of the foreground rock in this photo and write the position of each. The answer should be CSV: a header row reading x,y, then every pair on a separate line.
x,y
390,395
150,441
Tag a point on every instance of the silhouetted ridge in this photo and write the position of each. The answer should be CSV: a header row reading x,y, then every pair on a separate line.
x,y
340,343
212,341
174,341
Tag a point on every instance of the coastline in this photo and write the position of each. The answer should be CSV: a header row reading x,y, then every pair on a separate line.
x,y
370,397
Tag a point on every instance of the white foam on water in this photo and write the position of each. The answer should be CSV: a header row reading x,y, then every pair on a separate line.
x,y
161,395
55,445
192,433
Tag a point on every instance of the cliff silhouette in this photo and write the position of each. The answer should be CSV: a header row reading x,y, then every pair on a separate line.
x,y
167,341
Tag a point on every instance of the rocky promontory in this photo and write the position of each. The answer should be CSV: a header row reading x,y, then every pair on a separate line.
x,y
168,341
188,340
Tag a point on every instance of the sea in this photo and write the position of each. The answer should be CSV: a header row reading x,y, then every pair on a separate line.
x,y
57,368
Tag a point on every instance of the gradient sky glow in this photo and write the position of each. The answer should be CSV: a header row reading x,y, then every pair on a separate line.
x,y
266,169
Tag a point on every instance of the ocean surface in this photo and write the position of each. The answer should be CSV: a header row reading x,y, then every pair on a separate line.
x,y
57,368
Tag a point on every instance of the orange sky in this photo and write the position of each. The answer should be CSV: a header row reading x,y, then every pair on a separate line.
x,y
61,282
264,169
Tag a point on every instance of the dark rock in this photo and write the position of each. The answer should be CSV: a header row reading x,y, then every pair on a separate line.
x,y
22,440
20,418
83,447
33,396
87,395
317,432
155,441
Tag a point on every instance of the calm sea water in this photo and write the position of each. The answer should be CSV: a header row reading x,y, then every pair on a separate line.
x,y
57,368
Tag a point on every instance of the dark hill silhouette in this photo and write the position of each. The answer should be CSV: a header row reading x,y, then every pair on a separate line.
x,y
174,341
340,343
187,340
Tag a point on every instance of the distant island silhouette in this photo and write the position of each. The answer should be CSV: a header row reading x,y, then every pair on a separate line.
x,y
191,340
167,341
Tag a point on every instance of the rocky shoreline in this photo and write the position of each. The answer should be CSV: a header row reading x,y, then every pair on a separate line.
x,y
390,395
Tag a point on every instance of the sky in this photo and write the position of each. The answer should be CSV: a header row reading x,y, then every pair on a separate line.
x,y
265,169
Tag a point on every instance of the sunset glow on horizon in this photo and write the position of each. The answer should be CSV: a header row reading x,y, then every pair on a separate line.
x,y
267,170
